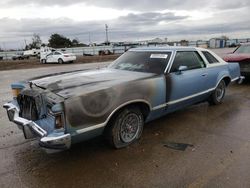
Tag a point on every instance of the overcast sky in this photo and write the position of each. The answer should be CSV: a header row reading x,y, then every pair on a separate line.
x,y
128,20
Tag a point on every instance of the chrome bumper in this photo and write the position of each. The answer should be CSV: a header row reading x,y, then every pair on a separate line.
x,y
31,129
240,80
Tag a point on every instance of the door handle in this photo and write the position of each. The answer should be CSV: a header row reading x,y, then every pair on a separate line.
x,y
204,74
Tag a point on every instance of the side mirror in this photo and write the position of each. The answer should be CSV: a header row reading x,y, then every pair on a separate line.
x,y
181,68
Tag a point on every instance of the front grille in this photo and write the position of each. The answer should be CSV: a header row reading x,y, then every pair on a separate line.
x,y
28,107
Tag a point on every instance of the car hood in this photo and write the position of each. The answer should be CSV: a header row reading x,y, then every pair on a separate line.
x,y
236,57
83,82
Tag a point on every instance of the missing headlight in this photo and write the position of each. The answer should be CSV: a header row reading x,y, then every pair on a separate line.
x,y
58,121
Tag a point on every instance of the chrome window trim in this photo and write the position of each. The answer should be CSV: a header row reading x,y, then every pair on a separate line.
x,y
170,62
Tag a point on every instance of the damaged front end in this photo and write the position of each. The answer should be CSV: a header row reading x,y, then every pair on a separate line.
x,y
39,113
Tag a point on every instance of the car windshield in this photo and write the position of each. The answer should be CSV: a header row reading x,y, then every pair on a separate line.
x,y
151,62
244,49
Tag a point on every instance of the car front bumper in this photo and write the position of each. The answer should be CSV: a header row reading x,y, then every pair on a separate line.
x,y
30,129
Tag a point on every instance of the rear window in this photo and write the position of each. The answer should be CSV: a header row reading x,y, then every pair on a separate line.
x,y
57,53
210,58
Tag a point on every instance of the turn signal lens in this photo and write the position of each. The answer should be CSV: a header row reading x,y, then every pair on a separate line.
x,y
16,92
16,89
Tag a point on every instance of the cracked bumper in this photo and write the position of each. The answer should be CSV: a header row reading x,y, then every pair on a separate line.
x,y
31,130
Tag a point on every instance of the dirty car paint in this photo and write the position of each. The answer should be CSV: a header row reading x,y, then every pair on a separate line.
x,y
88,99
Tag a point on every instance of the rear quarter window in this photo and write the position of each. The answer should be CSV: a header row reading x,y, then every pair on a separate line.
x,y
210,58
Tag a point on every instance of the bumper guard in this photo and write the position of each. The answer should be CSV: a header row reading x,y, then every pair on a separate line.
x,y
31,129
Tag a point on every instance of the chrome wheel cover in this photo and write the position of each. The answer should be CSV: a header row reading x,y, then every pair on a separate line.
x,y
220,91
130,127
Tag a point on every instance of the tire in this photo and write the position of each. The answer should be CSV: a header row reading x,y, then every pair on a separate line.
x,y
218,94
43,61
60,61
125,127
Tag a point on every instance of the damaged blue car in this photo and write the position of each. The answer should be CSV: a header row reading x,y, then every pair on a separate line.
x,y
141,85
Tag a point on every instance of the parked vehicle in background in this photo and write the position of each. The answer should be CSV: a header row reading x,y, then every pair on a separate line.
x,y
242,56
44,51
31,53
141,85
104,52
19,56
58,57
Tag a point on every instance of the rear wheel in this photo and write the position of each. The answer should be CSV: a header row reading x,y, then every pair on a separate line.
x,y
60,61
125,128
218,94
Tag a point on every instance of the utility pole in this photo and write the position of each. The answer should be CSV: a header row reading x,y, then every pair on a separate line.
x,y
6,56
106,29
25,44
89,40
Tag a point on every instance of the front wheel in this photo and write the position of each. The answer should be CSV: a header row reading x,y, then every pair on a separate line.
x,y
125,128
218,94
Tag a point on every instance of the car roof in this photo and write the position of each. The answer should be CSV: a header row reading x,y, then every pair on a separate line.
x,y
165,48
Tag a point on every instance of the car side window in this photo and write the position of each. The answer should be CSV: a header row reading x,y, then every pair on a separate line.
x,y
210,58
190,59
57,53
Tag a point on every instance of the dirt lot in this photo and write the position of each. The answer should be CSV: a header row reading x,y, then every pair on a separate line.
x,y
218,156
34,63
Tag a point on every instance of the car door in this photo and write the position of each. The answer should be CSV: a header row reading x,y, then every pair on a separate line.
x,y
49,58
185,81
56,56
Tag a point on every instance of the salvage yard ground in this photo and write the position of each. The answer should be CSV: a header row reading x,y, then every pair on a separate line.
x,y
217,152
34,63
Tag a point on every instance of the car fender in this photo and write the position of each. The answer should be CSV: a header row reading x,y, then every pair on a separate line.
x,y
222,75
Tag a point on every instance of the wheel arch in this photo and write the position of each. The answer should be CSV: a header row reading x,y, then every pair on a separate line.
x,y
226,78
144,106
60,58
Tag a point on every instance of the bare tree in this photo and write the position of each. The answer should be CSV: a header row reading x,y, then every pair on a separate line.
x,y
36,42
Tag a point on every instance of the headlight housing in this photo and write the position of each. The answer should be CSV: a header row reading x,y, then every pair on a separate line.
x,y
57,112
